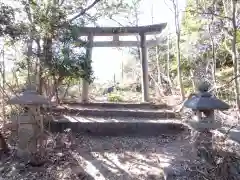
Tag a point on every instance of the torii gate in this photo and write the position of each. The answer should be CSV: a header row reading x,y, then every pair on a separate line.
x,y
115,32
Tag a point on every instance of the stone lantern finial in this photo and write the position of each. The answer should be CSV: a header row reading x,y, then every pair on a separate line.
x,y
203,87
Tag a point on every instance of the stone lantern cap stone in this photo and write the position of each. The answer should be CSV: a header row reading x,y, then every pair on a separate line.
x,y
29,97
205,100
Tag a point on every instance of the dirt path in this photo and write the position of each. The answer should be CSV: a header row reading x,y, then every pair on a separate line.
x,y
105,158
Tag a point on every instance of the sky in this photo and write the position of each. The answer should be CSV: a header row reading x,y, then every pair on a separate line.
x,y
108,61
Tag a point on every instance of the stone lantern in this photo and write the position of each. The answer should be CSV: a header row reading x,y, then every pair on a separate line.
x,y
30,123
203,122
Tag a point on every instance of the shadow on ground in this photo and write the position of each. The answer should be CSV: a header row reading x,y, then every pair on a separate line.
x,y
71,156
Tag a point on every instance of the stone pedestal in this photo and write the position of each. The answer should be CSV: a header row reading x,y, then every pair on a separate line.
x,y
202,137
203,145
27,140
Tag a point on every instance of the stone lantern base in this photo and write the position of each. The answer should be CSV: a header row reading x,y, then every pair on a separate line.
x,y
202,138
27,136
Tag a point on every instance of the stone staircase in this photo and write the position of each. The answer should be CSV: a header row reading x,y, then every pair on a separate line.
x,y
116,119
106,120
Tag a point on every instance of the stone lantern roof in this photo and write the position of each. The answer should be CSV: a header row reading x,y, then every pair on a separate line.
x,y
29,97
205,100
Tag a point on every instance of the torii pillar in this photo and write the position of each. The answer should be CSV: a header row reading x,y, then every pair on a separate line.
x,y
85,84
144,63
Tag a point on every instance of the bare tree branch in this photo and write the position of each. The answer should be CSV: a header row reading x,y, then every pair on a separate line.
x,y
226,84
120,24
209,13
168,6
61,3
83,11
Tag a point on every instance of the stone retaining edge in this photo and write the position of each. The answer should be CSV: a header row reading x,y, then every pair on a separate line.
x,y
118,105
118,129
117,113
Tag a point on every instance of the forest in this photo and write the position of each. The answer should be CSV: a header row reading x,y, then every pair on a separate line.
x,y
41,48
203,45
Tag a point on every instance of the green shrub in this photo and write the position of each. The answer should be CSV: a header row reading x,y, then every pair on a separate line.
x,y
112,97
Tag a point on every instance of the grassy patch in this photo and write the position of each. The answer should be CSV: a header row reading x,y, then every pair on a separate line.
x,y
114,97
225,74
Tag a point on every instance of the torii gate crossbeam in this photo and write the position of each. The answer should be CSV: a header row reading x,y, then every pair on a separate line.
x,y
115,32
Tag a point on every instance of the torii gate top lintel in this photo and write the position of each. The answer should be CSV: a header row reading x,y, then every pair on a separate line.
x,y
122,31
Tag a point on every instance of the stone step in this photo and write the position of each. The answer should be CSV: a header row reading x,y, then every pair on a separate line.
x,y
233,133
117,105
116,112
93,126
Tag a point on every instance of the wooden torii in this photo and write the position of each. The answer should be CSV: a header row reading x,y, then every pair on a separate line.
x,y
115,32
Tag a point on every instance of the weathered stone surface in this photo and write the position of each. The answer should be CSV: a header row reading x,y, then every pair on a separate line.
x,y
118,105
203,145
26,136
29,97
23,154
203,122
127,128
118,113
201,126
204,100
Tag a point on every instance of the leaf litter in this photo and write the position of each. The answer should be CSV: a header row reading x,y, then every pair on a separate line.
x,y
72,156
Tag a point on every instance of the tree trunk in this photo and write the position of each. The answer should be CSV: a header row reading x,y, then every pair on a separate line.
x,y
56,83
231,11
192,79
29,59
66,91
179,67
177,27
159,77
47,58
213,56
168,58
39,68
41,79
234,53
